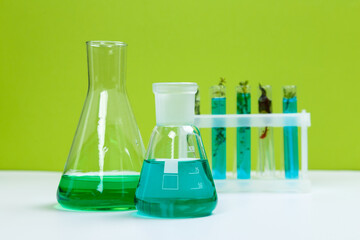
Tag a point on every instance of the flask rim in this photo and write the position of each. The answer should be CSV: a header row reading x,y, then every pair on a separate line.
x,y
175,87
99,43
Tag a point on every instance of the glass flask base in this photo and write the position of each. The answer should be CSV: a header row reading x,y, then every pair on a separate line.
x,y
188,193
175,208
94,192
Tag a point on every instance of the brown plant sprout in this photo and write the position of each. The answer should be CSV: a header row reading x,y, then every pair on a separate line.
x,y
264,107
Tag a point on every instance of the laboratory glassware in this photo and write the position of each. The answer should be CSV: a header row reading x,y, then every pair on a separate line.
x,y
103,167
197,102
218,135
291,153
243,134
175,179
266,161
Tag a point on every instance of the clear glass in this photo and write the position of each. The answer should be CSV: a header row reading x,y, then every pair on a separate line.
x,y
218,135
291,152
243,134
266,162
176,179
102,169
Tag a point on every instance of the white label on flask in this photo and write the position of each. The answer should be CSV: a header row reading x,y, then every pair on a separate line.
x,y
171,166
170,182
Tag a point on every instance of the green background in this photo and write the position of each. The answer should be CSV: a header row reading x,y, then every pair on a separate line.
x,y
314,44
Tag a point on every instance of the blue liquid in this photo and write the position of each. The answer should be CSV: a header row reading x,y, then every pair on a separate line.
x,y
188,193
291,152
218,140
243,138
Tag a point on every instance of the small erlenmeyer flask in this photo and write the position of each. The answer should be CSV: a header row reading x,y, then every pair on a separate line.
x,y
176,179
103,166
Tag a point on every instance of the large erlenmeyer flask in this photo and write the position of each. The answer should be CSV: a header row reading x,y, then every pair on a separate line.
x,y
102,169
175,180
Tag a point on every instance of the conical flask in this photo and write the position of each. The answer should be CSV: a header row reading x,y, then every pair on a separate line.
x,y
176,179
103,166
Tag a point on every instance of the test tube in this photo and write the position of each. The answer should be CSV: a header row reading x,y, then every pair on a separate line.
x,y
266,163
197,102
243,136
291,153
218,135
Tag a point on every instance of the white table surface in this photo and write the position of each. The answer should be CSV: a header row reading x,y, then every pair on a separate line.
x,y
28,210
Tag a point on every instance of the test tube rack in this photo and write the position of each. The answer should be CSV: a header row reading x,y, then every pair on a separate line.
x,y
277,184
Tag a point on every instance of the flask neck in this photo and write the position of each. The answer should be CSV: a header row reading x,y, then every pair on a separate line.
x,y
175,109
107,65
175,103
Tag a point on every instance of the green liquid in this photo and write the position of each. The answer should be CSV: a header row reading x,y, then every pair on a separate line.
x,y
92,192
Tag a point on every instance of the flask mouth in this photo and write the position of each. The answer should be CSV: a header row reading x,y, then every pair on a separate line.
x,y
106,43
175,103
175,87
